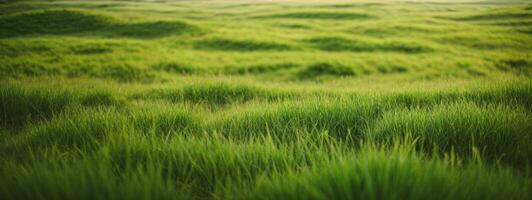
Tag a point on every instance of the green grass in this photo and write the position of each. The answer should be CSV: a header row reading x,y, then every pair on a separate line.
x,y
235,45
64,22
321,15
326,69
265,100
400,174
50,22
458,127
341,44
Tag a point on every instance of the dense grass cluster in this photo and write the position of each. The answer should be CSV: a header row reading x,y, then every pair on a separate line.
x,y
190,145
265,100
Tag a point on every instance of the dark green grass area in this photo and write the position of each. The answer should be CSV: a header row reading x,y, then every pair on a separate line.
x,y
321,15
498,16
261,68
341,44
152,29
221,44
174,67
326,69
65,22
265,100
50,22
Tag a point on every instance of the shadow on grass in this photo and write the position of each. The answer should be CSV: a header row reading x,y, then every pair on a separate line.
x,y
64,22
222,44
177,68
497,16
151,29
260,68
50,22
320,15
342,44
322,69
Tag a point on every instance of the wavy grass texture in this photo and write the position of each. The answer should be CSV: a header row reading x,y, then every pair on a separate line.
x,y
373,99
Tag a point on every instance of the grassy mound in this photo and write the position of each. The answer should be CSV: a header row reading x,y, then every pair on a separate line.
x,y
497,16
326,69
174,67
342,44
152,29
91,49
261,68
393,69
321,15
64,22
221,44
50,22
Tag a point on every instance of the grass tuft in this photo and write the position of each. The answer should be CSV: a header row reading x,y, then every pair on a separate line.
x,y
399,174
498,132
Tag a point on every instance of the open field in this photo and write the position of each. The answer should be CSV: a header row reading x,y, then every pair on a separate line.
x,y
266,99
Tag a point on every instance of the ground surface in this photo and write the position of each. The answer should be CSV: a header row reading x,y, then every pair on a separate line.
x,y
265,99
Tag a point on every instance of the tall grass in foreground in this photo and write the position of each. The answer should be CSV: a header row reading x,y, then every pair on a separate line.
x,y
118,144
498,131
396,173
132,166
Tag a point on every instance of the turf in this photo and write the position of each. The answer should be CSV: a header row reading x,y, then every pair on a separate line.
x,y
266,99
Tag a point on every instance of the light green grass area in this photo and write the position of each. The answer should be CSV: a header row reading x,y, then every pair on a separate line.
x,y
266,99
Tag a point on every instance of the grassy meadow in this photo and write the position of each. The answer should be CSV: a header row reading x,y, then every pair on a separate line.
x,y
266,99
